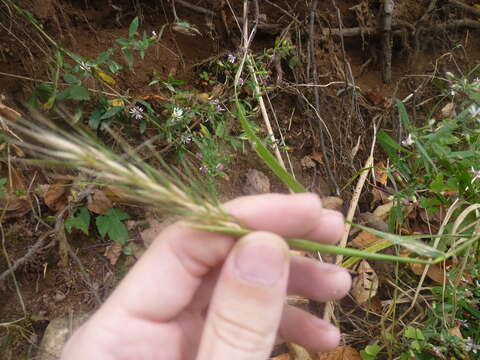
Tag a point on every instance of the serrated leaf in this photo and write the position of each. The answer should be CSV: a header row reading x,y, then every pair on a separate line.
x,y
80,222
111,224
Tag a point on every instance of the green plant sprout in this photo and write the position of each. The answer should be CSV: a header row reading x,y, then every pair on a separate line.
x,y
165,190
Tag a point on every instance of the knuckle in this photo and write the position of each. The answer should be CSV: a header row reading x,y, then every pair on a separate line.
x,y
235,332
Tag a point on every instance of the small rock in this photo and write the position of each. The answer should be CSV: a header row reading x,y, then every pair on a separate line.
x,y
59,296
256,183
307,162
57,334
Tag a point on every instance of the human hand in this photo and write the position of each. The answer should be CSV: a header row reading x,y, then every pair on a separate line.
x,y
206,296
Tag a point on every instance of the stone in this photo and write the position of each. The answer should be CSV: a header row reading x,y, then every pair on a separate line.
x,y
56,335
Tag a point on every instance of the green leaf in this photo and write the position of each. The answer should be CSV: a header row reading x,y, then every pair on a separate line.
x,y
71,79
95,119
111,224
81,221
132,30
413,333
114,110
74,92
143,126
266,156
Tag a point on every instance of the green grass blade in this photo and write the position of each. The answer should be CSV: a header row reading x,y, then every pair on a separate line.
x,y
409,242
266,155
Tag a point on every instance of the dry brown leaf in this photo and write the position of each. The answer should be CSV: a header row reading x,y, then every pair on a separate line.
x,y
99,203
373,221
435,272
317,156
56,196
364,239
113,252
455,332
380,174
340,353
307,162
383,210
16,201
332,203
298,353
448,111
256,182
379,196
365,284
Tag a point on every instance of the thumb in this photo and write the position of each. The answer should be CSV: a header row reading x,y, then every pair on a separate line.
x,y
247,303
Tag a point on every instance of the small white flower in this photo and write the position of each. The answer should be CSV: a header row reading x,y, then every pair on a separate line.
x,y
231,58
220,108
408,141
186,140
154,33
476,174
240,81
474,110
84,66
136,112
177,113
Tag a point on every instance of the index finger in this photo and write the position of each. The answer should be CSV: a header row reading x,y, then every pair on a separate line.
x,y
165,279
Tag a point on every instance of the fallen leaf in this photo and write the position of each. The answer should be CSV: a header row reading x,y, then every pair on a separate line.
x,y
379,196
448,111
340,353
365,284
373,221
297,352
15,200
256,182
317,156
380,174
383,210
56,196
435,272
364,239
307,162
99,203
332,203
455,332
113,252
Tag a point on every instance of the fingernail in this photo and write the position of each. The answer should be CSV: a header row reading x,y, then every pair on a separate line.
x,y
261,259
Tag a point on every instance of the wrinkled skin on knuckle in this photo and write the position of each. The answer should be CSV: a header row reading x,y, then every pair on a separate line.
x,y
236,333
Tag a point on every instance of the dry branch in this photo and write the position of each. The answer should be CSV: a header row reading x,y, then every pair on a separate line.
x,y
471,10
269,28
